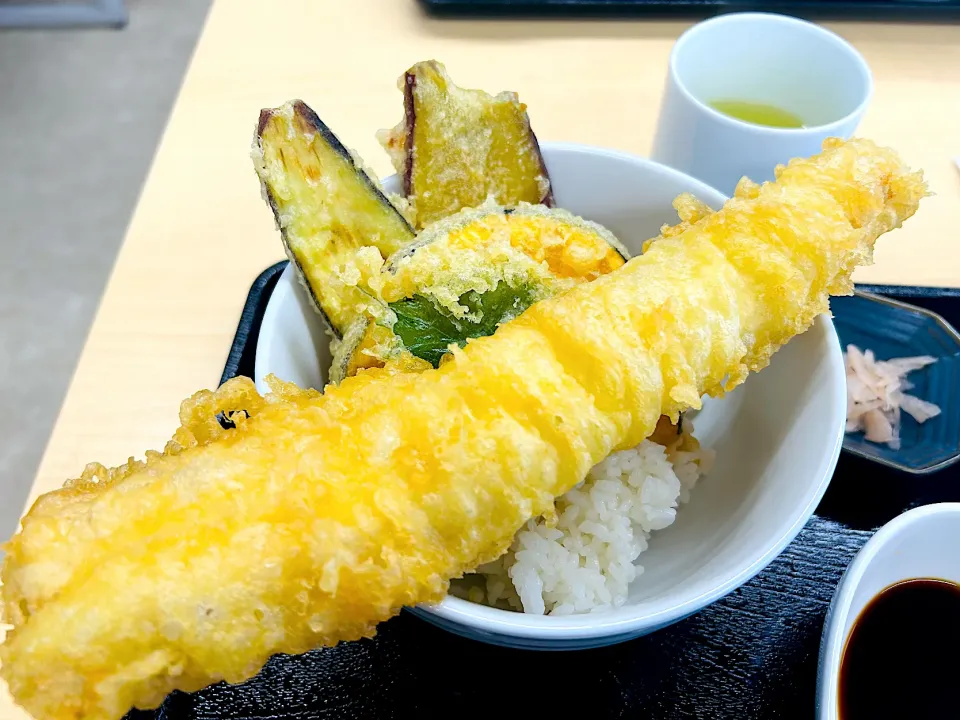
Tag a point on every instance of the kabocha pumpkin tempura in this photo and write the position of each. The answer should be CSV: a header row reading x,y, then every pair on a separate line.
x,y
321,515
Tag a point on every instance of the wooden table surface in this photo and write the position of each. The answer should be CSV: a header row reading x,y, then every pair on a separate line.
x,y
201,232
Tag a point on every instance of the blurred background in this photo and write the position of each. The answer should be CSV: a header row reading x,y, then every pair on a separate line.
x,y
82,113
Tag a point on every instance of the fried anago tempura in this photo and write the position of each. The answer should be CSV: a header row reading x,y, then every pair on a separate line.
x,y
321,515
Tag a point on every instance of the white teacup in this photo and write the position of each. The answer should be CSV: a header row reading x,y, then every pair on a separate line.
x,y
790,64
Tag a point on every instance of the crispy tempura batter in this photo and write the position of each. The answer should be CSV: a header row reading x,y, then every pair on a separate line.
x,y
320,516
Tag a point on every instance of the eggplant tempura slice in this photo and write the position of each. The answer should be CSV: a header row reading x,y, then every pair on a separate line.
x,y
327,208
456,147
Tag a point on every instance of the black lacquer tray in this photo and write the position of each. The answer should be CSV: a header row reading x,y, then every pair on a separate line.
x,y
751,655
869,10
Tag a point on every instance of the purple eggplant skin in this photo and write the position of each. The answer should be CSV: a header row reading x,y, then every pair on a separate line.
x,y
323,224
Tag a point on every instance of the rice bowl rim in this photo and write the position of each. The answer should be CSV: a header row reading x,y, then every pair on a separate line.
x,y
650,615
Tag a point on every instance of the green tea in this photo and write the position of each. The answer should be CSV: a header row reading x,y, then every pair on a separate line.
x,y
757,113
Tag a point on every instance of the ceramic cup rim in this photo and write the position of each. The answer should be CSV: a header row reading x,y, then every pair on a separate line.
x,y
813,29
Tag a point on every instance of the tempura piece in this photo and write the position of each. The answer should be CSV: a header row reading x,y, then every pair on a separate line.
x,y
469,273
456,147
321,515
327,207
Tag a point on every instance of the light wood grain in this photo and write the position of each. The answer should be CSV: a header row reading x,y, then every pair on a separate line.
x,y
201,232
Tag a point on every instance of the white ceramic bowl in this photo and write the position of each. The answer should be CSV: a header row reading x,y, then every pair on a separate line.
x,y
777,437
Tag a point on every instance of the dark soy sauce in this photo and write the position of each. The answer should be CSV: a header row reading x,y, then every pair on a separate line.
x,y
902,659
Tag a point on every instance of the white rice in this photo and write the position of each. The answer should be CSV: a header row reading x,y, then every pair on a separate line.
x,y
586,561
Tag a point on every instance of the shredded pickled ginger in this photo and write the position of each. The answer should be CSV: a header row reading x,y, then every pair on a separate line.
x,y
876,394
